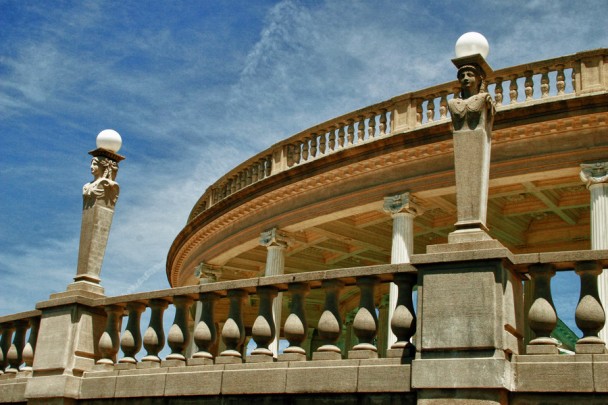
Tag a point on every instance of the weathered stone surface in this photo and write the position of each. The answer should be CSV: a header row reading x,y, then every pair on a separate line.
x,y
463,397
337,379
141,383
12,391
540,373
98,387
53,386
198,381
461,373
255,381
384,378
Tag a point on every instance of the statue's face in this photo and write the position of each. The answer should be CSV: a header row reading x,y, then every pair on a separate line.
x,y
469,80
96,170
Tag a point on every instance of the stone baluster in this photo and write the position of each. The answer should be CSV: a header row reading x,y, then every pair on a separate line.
x,y
297,152
233,332
341,135
322,143
430,109
350,140
443,105
542,316
5,343
248,177
110,338
498,96
264,329
332,139
383,120
254,172
313,145
261,169
595,176
205,333
305,148
154,337
330,322
371,127
130,342
560,81
403,210
529,85
290,159
15,352
544,83
268,165
179,333
513,91
30,347
418,102
296,328
403,321
589,316
361,129
365,324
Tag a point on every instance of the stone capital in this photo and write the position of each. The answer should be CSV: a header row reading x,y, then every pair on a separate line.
x,y
401,203
594,173
274,237
207,273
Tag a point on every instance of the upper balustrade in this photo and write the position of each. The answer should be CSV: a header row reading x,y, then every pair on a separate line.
x,y
519,86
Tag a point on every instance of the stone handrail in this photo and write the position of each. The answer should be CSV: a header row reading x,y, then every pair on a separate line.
x,y
541,81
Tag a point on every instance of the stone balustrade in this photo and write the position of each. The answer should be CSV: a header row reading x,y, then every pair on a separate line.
x,y
18,335
543,81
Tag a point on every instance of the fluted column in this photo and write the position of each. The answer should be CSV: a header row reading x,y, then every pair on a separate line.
x,y
589,316
296,328
542,316
109,341
130,342
595,176
264,329
275,242
330,322
154,338
403,210
233,332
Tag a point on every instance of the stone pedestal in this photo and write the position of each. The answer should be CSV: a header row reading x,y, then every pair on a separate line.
x,y
470,323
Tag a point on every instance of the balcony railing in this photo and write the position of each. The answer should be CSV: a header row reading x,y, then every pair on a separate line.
x,y
516,86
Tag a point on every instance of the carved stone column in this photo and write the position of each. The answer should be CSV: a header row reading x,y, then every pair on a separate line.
x,y
276,242
403,210
99,199
595,176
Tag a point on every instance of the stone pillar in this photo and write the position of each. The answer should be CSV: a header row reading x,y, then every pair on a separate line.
x,y
403,210
595,176
276,242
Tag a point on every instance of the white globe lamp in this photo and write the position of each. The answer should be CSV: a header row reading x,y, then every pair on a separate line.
x,y
472,43
110,140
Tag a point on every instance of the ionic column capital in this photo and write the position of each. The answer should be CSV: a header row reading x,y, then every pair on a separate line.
x,y
594,173
275,237
207,273
401,203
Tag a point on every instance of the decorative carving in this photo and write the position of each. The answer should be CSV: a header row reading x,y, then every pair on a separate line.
x,y
274,237
401,203
207,273
594,173
475,107
103,187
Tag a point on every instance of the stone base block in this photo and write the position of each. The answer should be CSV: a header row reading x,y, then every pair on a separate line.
x,y
486,373
125,366
59,386
265,380
590,348
402,353
173,363
384,378
199,361
13,391
461,244
291,357
330,377
362,354
326,356
186,381
463,397
148,364
259,358
538,373
541,349
228,360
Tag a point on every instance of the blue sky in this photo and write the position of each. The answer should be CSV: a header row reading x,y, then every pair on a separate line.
x,y
195,88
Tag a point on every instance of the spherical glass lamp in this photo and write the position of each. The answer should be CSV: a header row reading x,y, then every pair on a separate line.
x,y
472,43
110,140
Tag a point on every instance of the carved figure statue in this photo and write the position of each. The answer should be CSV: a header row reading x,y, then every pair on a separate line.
x,y
103,187
475,107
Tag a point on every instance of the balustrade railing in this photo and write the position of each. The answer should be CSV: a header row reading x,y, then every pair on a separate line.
x,y
511,88
18,335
